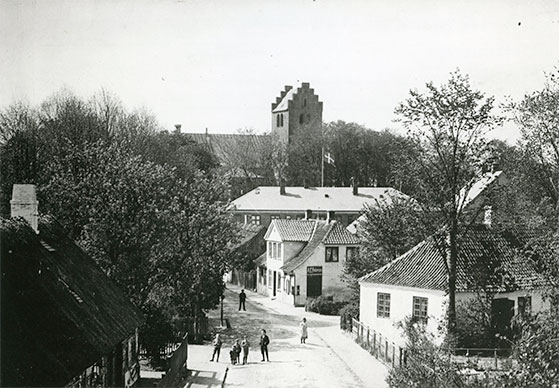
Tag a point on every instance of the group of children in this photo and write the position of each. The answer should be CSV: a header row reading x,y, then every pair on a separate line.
x,y
241,346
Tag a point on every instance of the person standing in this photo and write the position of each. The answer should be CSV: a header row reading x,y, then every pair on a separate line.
x,y
304,331
242,299
245,345
264,342
235,351
217,347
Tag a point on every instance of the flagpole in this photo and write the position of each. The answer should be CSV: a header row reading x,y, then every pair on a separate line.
x,y
322,173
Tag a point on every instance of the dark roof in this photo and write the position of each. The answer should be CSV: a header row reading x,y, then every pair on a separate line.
x,y
248,232
488,260
222,145
322,232
260,260
292,230
60,312
319,232
338,235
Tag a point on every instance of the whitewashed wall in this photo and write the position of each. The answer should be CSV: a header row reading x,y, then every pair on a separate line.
x,y
401,306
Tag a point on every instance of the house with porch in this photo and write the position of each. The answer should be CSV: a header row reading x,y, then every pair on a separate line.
x,y
305,259
63,321
415,284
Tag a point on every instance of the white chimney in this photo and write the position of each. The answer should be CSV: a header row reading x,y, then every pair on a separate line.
x,y
24,204
487,215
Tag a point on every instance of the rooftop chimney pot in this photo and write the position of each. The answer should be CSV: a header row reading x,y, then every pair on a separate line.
x,y
308,214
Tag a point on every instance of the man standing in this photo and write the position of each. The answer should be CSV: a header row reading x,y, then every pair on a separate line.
x,y
242,299
217,347
245,345
264,341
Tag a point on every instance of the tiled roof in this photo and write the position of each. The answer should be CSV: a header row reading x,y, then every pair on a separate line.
x,y
480,187
283,105
338,235
487,260
223,145
60,312
299,199
320,231
292,230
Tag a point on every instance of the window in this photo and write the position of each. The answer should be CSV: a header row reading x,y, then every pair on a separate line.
x,y
298,290
420,309
350,253
524,305
254,219
301,118
278,120
331,254
305,103
269,278
383,305
281,120
275,217
278,282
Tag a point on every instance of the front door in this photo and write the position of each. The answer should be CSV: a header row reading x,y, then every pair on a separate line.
x,y
502,311
314,282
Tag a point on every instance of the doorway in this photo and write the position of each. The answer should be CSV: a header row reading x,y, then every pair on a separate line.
x,y
314,282
274,285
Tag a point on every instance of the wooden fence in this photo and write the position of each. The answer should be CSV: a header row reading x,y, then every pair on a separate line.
x,y
176,365
378,345
497,359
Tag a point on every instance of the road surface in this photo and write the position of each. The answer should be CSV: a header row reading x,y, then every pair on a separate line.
x,y
292,364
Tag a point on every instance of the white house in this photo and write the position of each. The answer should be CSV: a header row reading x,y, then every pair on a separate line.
x,y
415,284
304,258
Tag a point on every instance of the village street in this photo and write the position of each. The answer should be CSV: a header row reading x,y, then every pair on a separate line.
x,y
328,359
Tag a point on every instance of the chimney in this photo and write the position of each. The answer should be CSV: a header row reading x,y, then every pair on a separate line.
x,y
282,187
354,185
178,128
24,204
330,216
487,215
305,184
495,166
308,214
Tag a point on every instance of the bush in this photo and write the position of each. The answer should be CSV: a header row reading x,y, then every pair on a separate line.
x,y
349,311
324,305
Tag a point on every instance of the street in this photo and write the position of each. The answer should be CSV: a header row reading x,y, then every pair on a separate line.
x,y
292,364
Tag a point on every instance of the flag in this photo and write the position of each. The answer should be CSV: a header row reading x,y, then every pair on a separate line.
x,y
328,158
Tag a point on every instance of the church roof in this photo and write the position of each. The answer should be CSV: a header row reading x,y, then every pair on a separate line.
x,y
284,103
222,145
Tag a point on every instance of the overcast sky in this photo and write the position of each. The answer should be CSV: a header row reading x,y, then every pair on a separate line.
x,y
219,65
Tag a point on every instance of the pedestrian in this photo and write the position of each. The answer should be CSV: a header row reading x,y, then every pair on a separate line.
x,y
304,331
235,351
217,347
264,342
242,299
245,345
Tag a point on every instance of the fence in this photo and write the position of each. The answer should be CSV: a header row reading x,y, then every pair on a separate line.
x,y
196,327
244,279
378,345
386,351
176,364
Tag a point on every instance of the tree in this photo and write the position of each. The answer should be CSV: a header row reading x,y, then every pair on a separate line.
x,y
537,116
447,124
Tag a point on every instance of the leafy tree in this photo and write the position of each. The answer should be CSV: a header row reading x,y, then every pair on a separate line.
x,y
304,157
447,124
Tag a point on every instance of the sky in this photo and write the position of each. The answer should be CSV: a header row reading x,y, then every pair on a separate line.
x,y
220,64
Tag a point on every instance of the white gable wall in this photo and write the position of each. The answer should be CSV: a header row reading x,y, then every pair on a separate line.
x,y
332,283
401,306
538,302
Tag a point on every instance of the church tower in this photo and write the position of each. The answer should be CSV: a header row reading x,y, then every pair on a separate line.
x,y
295,110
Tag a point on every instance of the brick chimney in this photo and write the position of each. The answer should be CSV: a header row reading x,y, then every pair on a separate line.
x,y
330,216
282,187
308,214
24,204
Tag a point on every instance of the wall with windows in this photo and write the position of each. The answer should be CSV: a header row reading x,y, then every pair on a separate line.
x,y
265,218
373,309
332,284
532,298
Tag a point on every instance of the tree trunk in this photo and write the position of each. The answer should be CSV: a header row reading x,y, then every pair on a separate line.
x,y
452,257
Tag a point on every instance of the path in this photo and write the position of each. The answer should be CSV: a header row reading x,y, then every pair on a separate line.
x,y
329,359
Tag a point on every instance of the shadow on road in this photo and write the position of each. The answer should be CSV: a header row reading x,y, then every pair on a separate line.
x,y
199,377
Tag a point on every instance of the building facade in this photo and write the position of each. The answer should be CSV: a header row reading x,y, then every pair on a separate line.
x,y
305,259
296,110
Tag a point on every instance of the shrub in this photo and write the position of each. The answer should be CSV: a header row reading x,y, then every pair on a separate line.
x,y
349,311
324,305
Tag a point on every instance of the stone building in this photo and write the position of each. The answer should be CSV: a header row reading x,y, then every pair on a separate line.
x,y
295,110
